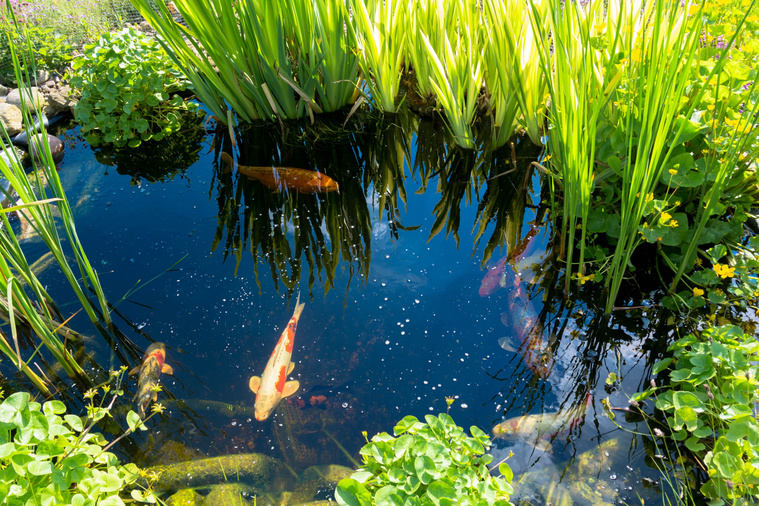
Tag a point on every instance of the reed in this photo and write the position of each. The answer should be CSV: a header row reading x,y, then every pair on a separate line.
x,y
457,68
380,30
576,103
658,71
424,17
42,202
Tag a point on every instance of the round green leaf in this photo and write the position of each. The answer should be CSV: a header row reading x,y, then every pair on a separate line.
x,y
349,492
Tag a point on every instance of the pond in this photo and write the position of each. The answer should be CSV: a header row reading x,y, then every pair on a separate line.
x,y
397,316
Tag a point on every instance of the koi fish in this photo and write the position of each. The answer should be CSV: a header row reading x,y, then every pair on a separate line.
x,y
150,370
537,354
496,277
272,386
289,178
538,430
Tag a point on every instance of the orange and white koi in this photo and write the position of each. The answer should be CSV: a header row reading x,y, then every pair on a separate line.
x,y
150,370
273,386
538,430
497,276
286,178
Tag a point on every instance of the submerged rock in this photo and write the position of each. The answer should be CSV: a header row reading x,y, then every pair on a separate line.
x,y
185,497
260,471
238,494
317,483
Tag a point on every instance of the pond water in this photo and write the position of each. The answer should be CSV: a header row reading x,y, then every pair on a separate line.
x,y
209,262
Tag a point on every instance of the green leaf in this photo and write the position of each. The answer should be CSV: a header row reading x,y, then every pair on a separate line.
x,y
661,365
425,469
407,424
388,496
349,492
40,467
54,408
440,490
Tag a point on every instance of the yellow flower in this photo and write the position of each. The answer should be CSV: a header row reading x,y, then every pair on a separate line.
x,y
600,27
649,197
698,292
674,224
724,271
693,9
582,279
677,202
673,172
710,107
698,262
635,55
664,218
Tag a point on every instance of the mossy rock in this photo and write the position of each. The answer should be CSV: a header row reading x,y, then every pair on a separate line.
x,y
238,494
260,471
186,497
316,483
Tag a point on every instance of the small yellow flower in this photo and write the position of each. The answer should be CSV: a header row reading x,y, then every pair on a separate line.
x,y
649,197
636,54
677,202
710,107
674,224
600,27
698,292
583,279
693,9
698,262
665,217
724,271
673,172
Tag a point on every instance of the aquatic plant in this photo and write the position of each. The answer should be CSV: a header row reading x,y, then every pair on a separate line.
x,y
25,294
424,17
426,463
710,407
380,29
50,457
134,101
457,68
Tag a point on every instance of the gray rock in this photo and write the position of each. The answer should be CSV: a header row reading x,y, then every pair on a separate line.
x,y
34,98
3,90
11,118
43,75
56,147
22,140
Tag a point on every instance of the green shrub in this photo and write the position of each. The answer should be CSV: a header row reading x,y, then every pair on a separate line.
x,y
126,79
429,463
49,457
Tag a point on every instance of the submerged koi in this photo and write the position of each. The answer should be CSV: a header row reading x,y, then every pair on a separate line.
x,y
272,386
496,277
150,370
538,430
286,178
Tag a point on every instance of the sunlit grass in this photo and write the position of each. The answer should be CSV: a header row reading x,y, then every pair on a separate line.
x,y
425,17
457,69
380,29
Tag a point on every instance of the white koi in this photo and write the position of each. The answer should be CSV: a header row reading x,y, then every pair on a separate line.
x,y
272,386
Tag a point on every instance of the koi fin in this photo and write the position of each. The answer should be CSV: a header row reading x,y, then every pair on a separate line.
x,y
255,382
505,319
507,344
290,368
167,369
135,370
541,445
290,388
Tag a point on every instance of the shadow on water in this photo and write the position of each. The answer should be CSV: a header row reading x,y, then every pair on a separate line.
x,y
407,315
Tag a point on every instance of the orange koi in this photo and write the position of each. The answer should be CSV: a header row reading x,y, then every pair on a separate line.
x,y
286,178
496,277
150,370
272,386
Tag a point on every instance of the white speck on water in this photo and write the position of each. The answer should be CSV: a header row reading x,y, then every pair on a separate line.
x,y
387,342
345,405
464,406
426,382
416,301
403,332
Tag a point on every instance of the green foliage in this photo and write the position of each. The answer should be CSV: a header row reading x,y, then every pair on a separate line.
x,y
710,407
50,457
126,81
51,49
426,463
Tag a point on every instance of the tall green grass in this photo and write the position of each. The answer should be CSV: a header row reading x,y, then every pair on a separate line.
x,y
43,204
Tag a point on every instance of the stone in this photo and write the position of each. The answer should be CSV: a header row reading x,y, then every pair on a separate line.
x,y
14,97
239,494
185,497
11,118
43,75
60,100
3,90
22,139
36,145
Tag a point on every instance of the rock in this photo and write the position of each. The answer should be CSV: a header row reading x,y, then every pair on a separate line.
x,y
12,118
230,493
56,147
3,90
42,75
22,140
318,483
59,100
50,83
30,94
185,497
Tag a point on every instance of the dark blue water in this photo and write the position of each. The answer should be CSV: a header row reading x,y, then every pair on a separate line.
x,y
372,345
